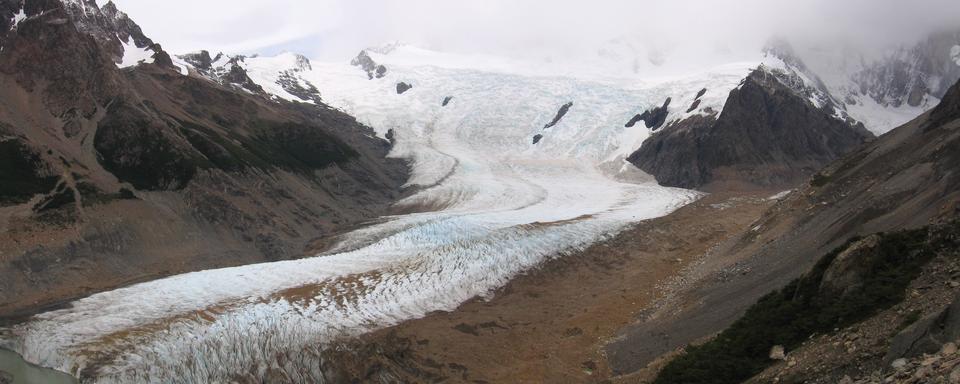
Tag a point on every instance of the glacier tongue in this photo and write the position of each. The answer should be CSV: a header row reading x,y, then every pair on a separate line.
x,y
491,205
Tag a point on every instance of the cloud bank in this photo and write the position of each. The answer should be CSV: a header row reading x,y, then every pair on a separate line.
x,y
337,29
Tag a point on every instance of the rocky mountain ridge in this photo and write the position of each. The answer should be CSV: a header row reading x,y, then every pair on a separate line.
x,y
776,129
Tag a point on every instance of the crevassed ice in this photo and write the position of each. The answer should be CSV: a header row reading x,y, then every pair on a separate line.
x,y
504,206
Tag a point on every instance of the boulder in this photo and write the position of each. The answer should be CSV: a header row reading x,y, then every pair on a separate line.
x,y
778,353
927,335
845,272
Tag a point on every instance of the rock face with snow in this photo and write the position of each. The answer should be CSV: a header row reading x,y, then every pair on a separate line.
x,y
224,69
101,164
116,32
231,71
369,66
908,75
767,136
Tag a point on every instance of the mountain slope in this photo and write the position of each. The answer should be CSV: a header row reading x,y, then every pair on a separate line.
x,y
131,170
766,136
905,179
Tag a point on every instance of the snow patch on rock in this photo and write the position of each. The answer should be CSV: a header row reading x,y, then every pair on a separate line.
x,y
17,18
132,55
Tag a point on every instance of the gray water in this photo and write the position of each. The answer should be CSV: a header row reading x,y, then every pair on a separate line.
x,y
12,366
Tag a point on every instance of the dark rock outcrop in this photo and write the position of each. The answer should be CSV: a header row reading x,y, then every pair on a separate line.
x,y
696,100
559,116
927,335
446,100
652,118
366,63
199,60
537,138
299,87
403,87
237,75
766,136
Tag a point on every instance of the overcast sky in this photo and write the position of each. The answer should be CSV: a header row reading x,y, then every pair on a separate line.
x,y
337,29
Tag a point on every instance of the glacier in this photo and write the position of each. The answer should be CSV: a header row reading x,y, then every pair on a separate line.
x,y
489,205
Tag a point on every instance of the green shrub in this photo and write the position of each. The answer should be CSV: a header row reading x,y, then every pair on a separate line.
x,y
20,174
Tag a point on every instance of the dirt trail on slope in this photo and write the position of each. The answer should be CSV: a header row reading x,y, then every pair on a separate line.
x,y
551,324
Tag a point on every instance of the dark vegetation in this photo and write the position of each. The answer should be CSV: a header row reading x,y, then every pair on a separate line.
x,y
90,195
21,173
298,147
291,146
138,151
61,197
819,180
791,315
152,154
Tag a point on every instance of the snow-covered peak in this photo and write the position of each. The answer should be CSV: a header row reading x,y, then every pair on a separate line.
x,y
279,77
780,60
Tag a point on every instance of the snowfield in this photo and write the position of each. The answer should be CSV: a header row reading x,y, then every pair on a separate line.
x,y
498,205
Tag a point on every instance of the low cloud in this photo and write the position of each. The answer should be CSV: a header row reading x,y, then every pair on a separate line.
x,y
336,29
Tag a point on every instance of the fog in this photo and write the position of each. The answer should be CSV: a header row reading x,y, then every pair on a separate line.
x,y
337,29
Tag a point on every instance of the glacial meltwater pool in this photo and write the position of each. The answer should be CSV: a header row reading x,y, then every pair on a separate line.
x,y
14,370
